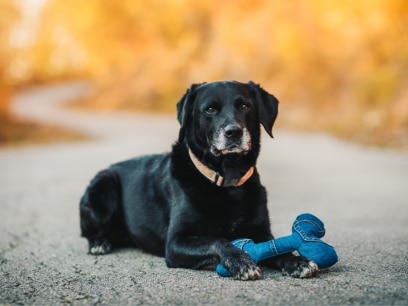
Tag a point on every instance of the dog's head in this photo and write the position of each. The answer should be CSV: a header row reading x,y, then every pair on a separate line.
x,y
224,117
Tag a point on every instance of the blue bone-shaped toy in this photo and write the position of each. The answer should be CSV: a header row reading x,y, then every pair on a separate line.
x,y
305,239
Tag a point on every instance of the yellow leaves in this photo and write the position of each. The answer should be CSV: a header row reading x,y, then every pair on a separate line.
x,y
343,57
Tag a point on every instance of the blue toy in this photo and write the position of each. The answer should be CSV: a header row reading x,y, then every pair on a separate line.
x,y
305,239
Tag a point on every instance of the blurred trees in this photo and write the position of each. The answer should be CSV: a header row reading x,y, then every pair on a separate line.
x,y
9,15
16,70
338,65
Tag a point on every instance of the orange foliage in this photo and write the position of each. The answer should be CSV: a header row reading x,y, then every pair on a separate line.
x,y
9,15
340,65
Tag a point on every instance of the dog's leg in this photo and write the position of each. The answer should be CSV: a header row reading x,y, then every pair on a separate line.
x,y
101,214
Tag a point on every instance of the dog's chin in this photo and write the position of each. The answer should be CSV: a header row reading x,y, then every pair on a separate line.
x,y
226,151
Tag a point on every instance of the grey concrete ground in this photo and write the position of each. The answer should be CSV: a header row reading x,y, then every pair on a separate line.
x,y
360,193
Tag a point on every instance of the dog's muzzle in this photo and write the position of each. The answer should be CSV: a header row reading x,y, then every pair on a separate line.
x,y
233,138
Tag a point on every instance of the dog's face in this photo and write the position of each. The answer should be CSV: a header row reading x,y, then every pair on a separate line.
x,y
225,116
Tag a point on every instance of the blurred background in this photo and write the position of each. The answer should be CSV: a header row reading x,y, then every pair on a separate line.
x,y
337,66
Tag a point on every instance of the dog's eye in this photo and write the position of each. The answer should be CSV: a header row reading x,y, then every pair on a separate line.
x,y
210,110
244,106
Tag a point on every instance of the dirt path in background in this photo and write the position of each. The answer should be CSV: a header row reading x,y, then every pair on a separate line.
x,y
360,193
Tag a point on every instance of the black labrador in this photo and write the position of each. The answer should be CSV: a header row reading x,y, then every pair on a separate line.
x,y
189,204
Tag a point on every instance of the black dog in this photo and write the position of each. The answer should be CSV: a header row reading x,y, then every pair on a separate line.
x,y
189,204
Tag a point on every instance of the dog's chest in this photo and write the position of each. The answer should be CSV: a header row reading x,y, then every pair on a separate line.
x,y
223,215
225,226
233,226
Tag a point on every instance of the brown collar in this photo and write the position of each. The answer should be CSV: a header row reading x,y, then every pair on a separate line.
x,y
215,177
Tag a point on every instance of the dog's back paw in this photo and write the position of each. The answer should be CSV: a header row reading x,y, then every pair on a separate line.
x,y
99,247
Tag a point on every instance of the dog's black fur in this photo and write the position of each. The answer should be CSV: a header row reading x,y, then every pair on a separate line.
x,y
165,206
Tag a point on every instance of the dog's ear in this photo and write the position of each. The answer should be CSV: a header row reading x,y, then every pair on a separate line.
x,y
185,108
267,107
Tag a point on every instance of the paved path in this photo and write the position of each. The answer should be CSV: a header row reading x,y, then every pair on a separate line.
x,y
360,193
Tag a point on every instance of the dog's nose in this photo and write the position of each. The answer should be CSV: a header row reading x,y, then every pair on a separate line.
x,y
233,131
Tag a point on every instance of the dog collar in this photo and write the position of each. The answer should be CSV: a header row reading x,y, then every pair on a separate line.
x,y
215,177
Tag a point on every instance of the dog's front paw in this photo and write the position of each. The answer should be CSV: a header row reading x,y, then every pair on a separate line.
x,y
242,267
99,247
300,267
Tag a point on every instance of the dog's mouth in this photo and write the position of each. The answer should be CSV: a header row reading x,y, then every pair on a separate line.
x,y
236,150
